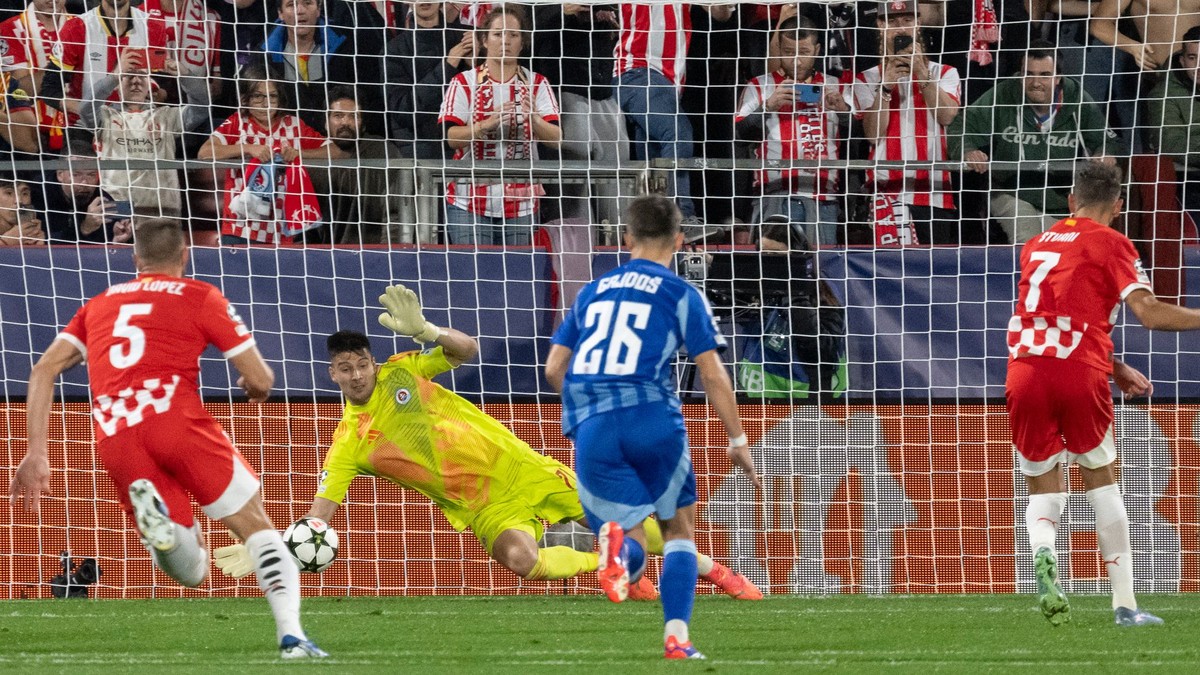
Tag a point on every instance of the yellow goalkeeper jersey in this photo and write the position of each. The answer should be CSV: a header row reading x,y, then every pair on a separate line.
x,y
422,436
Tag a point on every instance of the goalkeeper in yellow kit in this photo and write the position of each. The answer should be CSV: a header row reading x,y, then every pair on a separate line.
x,y
400,425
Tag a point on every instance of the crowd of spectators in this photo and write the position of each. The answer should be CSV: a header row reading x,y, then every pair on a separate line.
x,y
979,97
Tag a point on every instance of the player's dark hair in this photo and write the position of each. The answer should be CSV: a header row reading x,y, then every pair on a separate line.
x,y
653,217
347,341
157,241
1096,184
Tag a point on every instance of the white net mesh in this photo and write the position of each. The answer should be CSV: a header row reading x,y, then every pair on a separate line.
x,y
319,150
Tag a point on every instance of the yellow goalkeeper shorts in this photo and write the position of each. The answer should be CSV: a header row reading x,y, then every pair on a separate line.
x,y
543,490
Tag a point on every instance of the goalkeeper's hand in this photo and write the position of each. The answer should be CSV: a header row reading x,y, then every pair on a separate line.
x,y
403,315
233,560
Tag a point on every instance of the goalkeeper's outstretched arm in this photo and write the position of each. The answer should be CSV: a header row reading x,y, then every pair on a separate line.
x,y
403,315
323,509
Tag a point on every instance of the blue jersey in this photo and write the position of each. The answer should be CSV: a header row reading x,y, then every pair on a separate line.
x,y
625,330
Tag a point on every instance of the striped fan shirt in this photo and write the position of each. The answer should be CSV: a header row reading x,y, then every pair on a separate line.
x,y
463,105
912,134
288,130
803,131
90,49
654,37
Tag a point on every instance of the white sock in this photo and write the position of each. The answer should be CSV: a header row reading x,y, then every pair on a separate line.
x,y
1041,519
1112,533
187,563
677,628
279,579
704,564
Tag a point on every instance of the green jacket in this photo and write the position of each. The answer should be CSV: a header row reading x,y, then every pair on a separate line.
x,y
1002,125
1173,126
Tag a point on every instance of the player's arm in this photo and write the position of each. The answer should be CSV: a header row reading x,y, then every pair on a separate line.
x,y
556,366
719,390
32,477
1130,380
1157,315
403,315
257,378
323,509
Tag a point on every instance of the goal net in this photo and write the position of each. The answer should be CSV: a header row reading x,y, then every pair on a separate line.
x,y
856,181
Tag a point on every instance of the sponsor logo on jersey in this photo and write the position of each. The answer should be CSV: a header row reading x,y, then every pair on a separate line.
x,y
403,396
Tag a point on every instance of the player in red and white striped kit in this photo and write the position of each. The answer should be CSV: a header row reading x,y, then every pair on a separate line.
x,y
1074,278
142,341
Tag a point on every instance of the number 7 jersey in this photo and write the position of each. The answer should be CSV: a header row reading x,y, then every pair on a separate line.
x,y
1074,277
624,331
142,340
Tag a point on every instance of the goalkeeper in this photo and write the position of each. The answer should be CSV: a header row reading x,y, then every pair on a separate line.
x,y
401,426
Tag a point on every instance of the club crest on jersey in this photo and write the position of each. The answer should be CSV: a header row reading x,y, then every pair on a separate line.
x,y
403,396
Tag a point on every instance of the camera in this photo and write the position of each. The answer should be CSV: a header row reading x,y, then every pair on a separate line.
x,y
694,268
74,580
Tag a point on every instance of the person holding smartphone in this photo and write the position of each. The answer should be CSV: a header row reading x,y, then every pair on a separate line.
x,y
795,113
906,103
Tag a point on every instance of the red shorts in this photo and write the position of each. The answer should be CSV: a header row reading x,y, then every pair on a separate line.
x,y
1055,405
181,452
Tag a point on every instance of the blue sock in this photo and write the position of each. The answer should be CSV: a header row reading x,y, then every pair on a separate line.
x,y
634,557
678,582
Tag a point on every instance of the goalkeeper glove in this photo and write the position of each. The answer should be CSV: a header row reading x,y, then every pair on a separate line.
x,y
404,315
233,560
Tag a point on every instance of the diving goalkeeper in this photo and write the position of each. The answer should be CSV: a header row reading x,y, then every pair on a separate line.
x,y
400,425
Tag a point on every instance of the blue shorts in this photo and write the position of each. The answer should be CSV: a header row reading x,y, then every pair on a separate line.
x,y
633,462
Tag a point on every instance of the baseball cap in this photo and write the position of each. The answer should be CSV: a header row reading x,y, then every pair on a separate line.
x,y
889,7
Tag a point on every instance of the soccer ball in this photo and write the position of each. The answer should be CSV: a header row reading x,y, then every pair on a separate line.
x,y
312,542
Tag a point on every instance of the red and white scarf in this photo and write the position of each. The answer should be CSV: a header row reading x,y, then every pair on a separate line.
x,y
985,30
516,136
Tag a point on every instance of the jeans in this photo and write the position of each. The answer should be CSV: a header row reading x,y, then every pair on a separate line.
x,y
464,227
1110,76
818,221
661,130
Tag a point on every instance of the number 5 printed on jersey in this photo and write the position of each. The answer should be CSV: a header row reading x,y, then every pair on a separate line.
x,y
124,356
614,342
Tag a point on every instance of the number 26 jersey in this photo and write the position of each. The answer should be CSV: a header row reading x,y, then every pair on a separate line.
x,y
1074,277
142,340
624,331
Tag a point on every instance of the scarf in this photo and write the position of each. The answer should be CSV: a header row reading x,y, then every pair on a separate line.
x,y
280,193
513,138
985,30
51,120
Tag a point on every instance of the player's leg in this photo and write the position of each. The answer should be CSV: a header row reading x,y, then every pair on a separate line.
x,y
204,462
277,574
1091,428
678,583
159,507
1037,439
731,583
613,495
1112,535
514,545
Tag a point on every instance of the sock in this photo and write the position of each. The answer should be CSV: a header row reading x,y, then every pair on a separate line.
x,y
654,546
1041,519
654,538
634,557
279,579
562,562
678,587
1112,533
187,563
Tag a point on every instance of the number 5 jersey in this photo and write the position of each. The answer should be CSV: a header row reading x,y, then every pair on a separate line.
x,y
142,340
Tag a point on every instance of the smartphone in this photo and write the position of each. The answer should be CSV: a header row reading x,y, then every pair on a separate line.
x,y
157,59
807,93
121,210
901,43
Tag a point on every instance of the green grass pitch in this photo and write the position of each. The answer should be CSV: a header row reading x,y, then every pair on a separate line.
x,y
892,634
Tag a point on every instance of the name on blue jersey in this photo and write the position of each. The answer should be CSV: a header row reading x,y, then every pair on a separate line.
x,y
634,280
